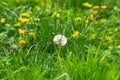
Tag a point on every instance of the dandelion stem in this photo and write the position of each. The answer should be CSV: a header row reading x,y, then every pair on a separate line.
x,y
58,53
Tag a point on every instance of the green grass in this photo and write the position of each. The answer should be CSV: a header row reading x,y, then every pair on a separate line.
x,y
85,57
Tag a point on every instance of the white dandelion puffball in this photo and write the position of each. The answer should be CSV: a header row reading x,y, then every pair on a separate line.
x,y
60,40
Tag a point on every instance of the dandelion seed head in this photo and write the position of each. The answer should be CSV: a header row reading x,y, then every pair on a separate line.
x,y
60,40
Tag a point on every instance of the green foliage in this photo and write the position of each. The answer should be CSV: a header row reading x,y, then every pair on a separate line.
x,y
91,54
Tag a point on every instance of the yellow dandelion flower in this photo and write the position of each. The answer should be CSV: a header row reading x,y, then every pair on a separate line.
x,y
108,38
23,20
31,33
91,17
75,34
37,19
2,20
56,14
86,21
104,7
22,42
103,21
78,19
86,4
110,47
17,25
96,7
95,12
25,14
21,31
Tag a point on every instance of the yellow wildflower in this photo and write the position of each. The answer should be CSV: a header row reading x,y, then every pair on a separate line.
x,y
22,42
104,7
95,12
75,34
91,17
103,21
96,7
108,38
86,21
78,19
88,5
21,31
110,47
2,20
31,33
56,14
23,20
37,19
25,14
17,25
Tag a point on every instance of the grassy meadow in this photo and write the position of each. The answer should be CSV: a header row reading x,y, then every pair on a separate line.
x,y
91,40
